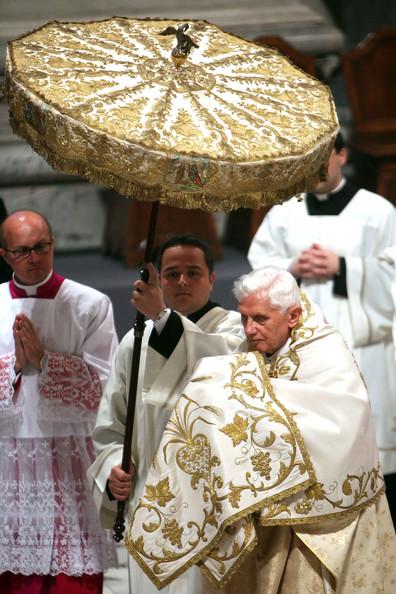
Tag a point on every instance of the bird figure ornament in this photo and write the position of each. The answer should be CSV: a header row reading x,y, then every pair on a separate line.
x,y
184,43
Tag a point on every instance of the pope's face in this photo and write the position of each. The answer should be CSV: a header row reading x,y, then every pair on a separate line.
x,y
185,278
266,327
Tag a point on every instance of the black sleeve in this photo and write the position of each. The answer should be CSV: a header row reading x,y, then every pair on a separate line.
x,y
5,271
340,284
3,212
166,342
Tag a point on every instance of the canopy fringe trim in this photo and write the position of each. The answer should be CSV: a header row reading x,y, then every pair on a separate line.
x,y
181,199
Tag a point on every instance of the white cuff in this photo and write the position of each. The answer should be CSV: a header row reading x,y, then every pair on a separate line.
x,y
161,319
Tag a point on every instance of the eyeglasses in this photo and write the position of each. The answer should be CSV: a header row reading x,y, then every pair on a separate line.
x,y
23,252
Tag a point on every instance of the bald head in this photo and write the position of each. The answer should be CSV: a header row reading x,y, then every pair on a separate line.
x,y
26,244
21,220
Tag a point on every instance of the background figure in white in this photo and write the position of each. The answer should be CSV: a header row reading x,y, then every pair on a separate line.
x,y
379,294
324,240
173,341
56,343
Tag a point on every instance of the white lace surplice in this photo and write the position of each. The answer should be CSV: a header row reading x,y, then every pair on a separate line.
x,y
49,523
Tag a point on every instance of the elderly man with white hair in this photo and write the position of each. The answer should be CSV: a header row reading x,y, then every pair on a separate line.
x,y
267,475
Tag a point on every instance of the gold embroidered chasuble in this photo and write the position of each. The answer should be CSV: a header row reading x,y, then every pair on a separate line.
x,y
247,444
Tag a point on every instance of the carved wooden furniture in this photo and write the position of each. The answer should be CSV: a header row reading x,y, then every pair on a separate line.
x,y
370,77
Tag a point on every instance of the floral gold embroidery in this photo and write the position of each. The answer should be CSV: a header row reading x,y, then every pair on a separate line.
x,y
194,458
236,430
173,532
266,475
288,364
250,431
159,493
261,463
235,549
353,491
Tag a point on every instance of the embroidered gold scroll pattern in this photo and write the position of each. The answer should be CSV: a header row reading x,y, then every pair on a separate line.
x,y
222,556
194,458
349,494
244,429
289,363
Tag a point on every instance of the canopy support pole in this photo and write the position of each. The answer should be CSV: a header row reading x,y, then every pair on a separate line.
x,y
138,327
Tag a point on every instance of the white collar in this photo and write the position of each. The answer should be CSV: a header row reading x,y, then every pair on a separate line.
x,y
31,289
323,197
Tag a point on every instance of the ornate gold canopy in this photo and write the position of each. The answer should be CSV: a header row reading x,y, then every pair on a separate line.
x,y
235,124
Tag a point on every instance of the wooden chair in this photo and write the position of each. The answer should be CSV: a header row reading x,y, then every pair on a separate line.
x,y
370,77
242,237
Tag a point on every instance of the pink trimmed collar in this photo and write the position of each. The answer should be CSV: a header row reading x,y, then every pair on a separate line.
x,y
48,290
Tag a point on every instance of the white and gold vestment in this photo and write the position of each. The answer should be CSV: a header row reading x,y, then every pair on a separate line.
x,y
254,444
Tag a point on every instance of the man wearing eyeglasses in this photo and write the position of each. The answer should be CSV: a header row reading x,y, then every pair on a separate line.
x,y
56,342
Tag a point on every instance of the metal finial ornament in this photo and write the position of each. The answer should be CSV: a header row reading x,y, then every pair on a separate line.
x,y
119,524
184,43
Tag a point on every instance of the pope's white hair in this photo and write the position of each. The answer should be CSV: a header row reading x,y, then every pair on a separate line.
x,y
276,284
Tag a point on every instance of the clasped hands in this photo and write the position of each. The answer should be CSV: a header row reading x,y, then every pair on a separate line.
x,y
148,297
315,263
28,347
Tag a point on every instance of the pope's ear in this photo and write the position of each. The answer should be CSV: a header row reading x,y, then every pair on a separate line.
x,y
294,315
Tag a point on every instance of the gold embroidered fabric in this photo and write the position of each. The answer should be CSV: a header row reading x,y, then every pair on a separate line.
x,y
354,555
309,329
216,464
318,362
236,124
242,449
280,564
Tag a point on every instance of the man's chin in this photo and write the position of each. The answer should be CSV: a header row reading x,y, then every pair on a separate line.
x,y
186,306
183,305
254,346
32,278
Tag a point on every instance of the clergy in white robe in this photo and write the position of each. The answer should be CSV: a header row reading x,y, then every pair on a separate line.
x,y
379,294
267,475
172,344
353,225
49,527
